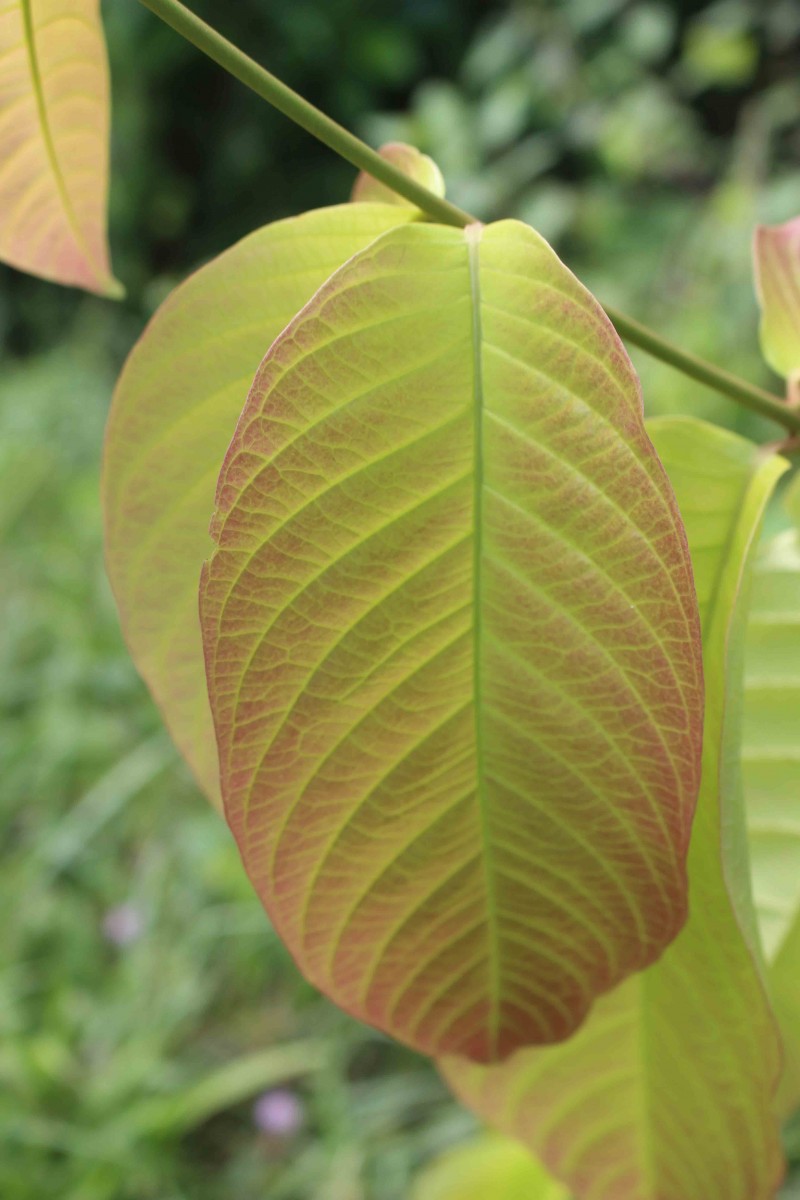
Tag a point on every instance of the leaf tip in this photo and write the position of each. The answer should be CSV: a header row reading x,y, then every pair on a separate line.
x,y
113,290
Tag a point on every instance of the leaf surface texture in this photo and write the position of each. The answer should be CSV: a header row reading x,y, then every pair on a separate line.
x,y
54,129
666,1093
174,412
452,646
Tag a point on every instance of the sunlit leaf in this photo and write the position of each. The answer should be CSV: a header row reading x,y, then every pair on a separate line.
x,y
666,1092
487,1168
777,267
174,413
411,162
452,648
771,767
54,125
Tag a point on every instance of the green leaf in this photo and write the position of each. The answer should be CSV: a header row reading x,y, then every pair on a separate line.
x,y
791,501
487,1168
771,768
54,121
411,162
666,1092
173,415
777,268
452,648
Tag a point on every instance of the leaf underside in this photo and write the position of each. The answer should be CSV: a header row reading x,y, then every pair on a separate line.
x,y
666,1092
174,412
451,646
54,130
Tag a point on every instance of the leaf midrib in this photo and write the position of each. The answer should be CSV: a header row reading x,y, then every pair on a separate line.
x,y
47,137
472,236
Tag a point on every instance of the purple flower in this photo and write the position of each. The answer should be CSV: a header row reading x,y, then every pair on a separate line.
x,y
279,1113
123,925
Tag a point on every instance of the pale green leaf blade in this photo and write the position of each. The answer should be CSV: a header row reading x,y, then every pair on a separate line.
x,y
666,1093
487,1168
777,270
771,770
174,412
452,645
411,162
791,501
54,129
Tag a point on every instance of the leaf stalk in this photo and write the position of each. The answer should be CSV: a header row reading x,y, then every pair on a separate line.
x,y
353,150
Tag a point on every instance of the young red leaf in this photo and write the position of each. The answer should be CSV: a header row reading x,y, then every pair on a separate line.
x,y
54,122
667,1091
174,412
452,646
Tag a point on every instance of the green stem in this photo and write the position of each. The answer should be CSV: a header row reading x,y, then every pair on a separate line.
x,y
351,148
711,376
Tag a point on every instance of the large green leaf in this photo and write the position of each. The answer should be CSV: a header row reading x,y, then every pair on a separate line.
x,y
452,645
174,413
487,1168
54,119
666,1092
771,767
777,268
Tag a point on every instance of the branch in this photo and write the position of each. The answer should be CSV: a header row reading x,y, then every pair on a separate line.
x,y
351,148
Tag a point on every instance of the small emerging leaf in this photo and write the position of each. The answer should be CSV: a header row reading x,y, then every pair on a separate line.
x,y
452,645
777,269
174,412
411,162
54,128
487,1168
667,1091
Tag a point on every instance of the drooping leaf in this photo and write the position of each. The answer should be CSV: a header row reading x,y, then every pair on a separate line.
x,y
54,128
411,162
666,1093
487,1168
777,270
173,415
771,767
451,645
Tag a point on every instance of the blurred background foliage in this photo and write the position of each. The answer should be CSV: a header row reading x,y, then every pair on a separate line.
x,y
155,1039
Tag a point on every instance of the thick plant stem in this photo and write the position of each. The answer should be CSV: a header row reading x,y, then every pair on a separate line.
x,y
351,148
